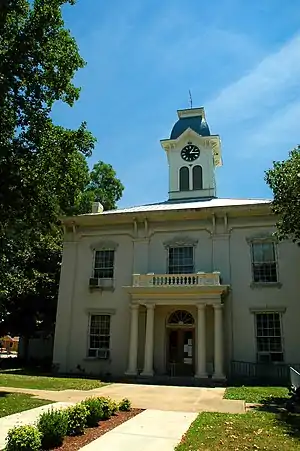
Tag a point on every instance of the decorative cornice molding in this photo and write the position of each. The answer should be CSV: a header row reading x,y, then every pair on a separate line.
x,y
104,245
265,285
178,241
269,309
100,311
265,237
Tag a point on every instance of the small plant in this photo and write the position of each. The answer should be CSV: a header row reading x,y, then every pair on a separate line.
x,y
125,405
23,438
107,407
53,426
114,407
95,412
77,416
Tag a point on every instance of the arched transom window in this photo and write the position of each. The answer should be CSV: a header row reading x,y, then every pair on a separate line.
x,y
181,318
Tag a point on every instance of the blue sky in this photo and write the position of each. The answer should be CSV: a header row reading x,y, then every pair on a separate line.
x,y
240,59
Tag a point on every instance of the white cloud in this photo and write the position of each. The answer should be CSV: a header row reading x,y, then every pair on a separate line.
x,y
262,88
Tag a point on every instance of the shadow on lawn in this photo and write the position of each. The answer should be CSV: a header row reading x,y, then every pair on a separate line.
x,y
290,422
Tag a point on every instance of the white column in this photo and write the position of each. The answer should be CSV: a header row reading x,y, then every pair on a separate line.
x,y
201,342
218,374
133,341
149,341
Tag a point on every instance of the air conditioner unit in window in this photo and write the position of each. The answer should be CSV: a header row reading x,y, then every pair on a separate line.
x,y
102,353
94,282
103,283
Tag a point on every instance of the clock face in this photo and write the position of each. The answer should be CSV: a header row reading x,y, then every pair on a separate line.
x,y
190,152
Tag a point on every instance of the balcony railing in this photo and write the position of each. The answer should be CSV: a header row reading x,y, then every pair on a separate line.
x,y
176,280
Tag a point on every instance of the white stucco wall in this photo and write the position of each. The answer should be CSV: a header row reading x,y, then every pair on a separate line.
x,y
222,246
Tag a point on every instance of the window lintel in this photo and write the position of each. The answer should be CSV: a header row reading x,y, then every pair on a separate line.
x,y
107,245
180,241
262,238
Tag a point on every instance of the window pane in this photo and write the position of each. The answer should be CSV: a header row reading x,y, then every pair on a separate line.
x,y
99,334
197,177
104,264
181,260
268,337
184,182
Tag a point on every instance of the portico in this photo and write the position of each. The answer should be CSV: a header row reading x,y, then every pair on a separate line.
x,y
176,320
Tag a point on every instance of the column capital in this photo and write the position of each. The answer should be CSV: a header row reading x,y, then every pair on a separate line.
x,y
150,306
134,306
218,306
201,306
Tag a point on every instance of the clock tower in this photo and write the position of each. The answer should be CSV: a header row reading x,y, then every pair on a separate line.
x,y
193,153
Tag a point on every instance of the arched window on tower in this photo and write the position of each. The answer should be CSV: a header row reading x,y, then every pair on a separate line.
x,y
184,179
197,177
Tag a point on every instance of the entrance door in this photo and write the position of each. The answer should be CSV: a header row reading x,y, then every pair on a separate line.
x,y
181,352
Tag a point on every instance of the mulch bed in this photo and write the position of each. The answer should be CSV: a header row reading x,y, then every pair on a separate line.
x,y
90,434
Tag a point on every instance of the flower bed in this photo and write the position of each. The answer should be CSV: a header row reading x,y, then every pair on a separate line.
x,y
71,428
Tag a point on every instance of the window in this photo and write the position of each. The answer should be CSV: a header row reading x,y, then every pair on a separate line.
x,y
197,177
268,337
184,179
181,260
99,334
264,267
104,264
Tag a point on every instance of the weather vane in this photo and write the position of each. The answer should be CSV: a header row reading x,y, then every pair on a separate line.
x,y
191,100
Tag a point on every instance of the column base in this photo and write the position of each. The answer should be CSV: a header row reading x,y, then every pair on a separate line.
x,y
131,373
147,373
201,376
218,377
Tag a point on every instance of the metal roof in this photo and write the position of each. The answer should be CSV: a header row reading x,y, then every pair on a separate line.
x,y
171,205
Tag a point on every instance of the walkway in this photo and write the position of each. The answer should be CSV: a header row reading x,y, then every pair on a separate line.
x,y
151,429
182,399
23,418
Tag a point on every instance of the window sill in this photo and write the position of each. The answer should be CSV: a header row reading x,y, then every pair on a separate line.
x,y
102,284
266,285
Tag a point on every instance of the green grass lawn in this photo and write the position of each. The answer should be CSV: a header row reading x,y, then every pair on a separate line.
x,y
241,432
255,394
16,402
259,429
8,379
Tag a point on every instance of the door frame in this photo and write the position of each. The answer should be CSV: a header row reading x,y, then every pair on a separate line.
x,y
183,328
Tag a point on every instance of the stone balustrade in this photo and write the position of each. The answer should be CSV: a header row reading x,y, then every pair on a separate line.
x,y
176,280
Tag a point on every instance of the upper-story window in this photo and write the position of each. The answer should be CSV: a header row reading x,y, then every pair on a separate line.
x,y
104,264
264,262
197,177
184,179
181,260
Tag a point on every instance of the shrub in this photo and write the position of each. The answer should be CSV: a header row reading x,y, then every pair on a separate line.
x,y
23,438
77,416
125,405
95,412
107,408
114,407
53,426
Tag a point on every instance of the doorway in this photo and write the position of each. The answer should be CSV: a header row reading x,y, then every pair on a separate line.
x,y
181,352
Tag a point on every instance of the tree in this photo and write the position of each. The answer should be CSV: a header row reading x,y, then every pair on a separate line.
x,y
103,187
284,180
43,166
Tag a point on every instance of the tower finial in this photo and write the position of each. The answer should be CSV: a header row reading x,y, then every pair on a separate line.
x,y
191,100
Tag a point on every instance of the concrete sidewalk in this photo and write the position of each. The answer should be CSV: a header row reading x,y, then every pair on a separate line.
x,y
151,429
24,418
155,397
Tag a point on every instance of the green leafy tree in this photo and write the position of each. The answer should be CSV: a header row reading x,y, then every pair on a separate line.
x,y
284,180
43,167
103,187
